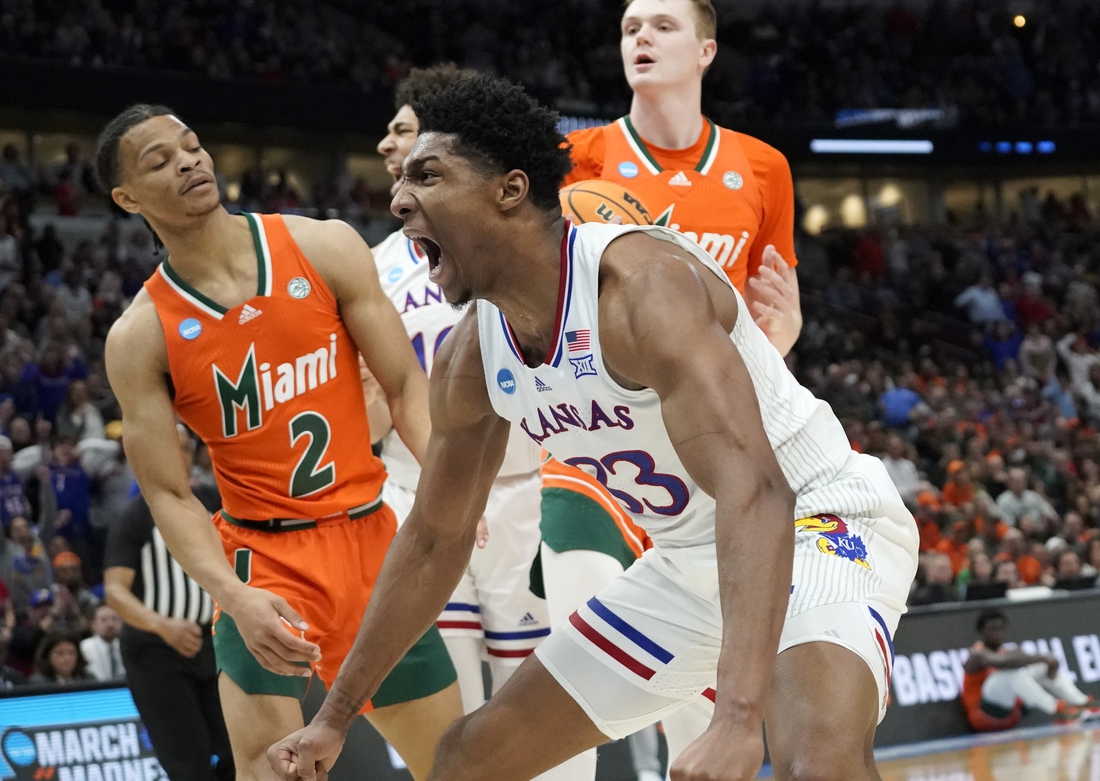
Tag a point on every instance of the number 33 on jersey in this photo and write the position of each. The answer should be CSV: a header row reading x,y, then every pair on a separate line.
x,y
271,386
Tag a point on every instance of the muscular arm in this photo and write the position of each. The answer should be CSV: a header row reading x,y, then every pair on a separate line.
x,y
428,556
342,257
137,365
1009,660
654,302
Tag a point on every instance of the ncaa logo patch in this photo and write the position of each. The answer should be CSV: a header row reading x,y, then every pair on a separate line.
x,y
298,287
733,180
395,274
190,329
628,169
507,381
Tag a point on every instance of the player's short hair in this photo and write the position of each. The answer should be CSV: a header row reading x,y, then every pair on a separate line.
x,y
107,169
706,18
500,128
420,81
990,615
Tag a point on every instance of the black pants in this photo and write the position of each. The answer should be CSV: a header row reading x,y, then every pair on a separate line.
x,y
179,705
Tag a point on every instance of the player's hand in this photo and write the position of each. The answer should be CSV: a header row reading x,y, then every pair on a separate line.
x,y
773,300
307,754
183,635
719,755
482,532
270,629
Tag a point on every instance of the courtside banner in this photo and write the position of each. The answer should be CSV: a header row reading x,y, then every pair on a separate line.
x,y
933,642
86,735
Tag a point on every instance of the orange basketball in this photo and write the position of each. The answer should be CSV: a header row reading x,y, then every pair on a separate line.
x,y
595,200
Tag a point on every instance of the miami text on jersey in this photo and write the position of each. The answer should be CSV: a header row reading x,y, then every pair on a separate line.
x,y
292,379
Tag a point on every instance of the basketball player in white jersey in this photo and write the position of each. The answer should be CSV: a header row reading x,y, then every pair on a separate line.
x,y
781,558
492,613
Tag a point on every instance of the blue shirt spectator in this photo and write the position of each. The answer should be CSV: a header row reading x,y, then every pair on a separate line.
x,y
1054,393
13,500
1004,344
981,302
51,377
72,488
897,404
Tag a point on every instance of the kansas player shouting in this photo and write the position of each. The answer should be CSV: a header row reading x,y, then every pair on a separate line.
x,y
781,558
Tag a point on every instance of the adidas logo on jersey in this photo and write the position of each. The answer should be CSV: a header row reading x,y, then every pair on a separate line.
x,y
680,180
528,620
541,386
249,313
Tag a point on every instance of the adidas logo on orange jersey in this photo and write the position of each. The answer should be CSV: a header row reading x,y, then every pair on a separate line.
x,y
680,180
249,313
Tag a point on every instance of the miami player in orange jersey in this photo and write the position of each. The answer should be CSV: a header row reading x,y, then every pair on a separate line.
x,y
250,331
729,192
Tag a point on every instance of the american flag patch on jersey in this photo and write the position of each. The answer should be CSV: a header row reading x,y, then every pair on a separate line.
x,y
579,341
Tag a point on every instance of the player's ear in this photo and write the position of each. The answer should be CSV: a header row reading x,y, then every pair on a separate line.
x,y
709,48
514,189
124,200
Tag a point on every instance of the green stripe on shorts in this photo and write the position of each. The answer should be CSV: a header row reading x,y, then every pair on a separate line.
x,y
423,671
236,661
572,521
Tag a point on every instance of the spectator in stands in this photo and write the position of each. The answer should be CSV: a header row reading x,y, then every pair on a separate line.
x,y
1067,564
29,633
1007,573
1079,359
102,648
1091,567
76,600
24,566
959,489
17,178
978,573
1003,343
11,257
955,547
981,302
9,676
1028,569
51,377
13,500
1089,391
902,471
999,682
1020,502
58,661
78,415
1037,357
899,403
939,578
72,492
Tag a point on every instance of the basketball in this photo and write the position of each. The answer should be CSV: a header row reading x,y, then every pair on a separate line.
x,y
595,200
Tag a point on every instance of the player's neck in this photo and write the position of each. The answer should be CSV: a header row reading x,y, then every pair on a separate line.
x,y
209,248
526,288
668,118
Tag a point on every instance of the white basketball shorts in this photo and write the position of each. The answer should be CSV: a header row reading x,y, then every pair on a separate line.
x,y
493,601
658,627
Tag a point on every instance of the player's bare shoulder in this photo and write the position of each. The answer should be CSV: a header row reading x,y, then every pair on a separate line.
x,y
458,395
136,340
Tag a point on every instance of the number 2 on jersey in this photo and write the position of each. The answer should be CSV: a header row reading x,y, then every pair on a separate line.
x,y
309,478
674,486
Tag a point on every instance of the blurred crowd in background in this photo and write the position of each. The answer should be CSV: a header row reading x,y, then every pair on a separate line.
x,y
802,63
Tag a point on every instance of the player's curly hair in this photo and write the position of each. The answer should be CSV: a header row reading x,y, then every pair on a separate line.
x,y
502,128
420,81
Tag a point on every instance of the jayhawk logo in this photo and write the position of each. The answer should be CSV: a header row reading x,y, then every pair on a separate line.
x,y
835,539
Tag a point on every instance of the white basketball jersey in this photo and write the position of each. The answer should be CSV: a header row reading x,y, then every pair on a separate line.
x,y
428,318
572,407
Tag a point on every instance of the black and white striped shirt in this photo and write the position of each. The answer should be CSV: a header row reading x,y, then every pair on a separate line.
x,y
159,581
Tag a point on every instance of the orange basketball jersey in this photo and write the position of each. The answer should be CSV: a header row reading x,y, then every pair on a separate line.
x,y
272,387
729,192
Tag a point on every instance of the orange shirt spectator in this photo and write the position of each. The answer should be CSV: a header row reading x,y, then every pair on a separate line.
x,y
955,546
1030,568
959,489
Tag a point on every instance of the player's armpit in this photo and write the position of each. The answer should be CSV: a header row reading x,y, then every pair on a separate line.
x,y
433,546
665,325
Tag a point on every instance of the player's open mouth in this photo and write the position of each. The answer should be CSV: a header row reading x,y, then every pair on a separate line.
x,y
643,59
431,249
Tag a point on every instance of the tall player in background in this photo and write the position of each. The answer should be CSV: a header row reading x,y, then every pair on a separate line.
x,y
492,614
250,331
729,192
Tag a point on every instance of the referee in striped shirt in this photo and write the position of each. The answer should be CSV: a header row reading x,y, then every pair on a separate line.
x,y
166,645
